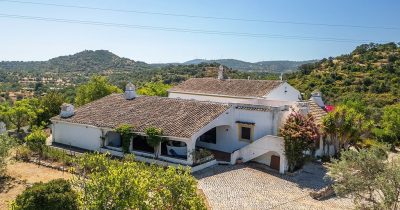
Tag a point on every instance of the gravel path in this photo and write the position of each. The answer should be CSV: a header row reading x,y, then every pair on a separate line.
x,y
253,186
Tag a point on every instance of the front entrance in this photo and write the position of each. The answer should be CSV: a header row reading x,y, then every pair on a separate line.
x,y
275,162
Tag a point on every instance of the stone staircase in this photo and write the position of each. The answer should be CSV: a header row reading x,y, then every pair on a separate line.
x,y
259,147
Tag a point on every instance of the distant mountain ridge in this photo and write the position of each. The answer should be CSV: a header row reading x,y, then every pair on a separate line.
x,y
102,60
269,66
87,60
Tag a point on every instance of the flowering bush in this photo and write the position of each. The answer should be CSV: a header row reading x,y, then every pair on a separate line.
x,y
300,134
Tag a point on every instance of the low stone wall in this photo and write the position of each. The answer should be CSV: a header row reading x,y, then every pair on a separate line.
x,y
49,165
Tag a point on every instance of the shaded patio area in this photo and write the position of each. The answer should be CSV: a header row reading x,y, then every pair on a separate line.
x,y
219,155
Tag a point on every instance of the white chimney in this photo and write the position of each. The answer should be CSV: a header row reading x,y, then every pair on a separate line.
x,y
130,91
316,96
67,110
221,72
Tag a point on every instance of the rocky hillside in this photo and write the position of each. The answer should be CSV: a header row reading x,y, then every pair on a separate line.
x,y
370,74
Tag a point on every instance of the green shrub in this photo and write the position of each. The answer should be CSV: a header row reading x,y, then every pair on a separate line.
x,y
23,153
300,133
56,194
154,136
57,155
126,135
36,140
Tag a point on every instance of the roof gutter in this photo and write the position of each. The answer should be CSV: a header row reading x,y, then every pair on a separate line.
x,y
225,96
110,129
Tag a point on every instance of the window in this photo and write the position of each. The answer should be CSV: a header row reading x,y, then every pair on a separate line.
x,y
209,136
246,131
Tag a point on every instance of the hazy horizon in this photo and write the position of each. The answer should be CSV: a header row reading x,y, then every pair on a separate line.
x,y
177,31
181,62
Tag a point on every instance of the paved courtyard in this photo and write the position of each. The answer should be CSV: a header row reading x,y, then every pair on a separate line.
x,y
254,186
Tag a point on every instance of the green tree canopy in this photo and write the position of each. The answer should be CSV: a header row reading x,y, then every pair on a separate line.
x,y
345,126
154,89
96,88
36,140
51,105
368,177
21,114
391,122
113,184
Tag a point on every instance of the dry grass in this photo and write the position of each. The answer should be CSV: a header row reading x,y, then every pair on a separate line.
x,y
23,174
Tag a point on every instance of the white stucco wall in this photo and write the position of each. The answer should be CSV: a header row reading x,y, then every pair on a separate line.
x,y
265,123
284,92
82,136
324,151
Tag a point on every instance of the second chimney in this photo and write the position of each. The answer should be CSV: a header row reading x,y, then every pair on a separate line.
x,y
130,91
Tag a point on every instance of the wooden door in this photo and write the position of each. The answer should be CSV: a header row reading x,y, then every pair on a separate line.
x,y
275,162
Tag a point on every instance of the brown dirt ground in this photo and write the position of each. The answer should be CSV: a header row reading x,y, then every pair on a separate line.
x,y
22,175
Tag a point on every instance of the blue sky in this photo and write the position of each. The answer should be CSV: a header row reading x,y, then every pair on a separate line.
x,y
22,39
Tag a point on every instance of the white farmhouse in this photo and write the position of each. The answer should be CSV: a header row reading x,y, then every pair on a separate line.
x,y
205,121
263,92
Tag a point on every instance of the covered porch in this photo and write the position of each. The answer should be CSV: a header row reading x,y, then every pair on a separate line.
x,y
214,141
170,151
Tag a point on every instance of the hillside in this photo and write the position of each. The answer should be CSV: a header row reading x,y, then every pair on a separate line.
x,y
103,60
267,66
370,74
88,61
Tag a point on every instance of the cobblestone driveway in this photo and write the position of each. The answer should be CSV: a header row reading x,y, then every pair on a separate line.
x,y
253,186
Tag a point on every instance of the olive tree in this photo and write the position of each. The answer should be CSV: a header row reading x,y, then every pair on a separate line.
x,y
21,114
106,183
96,88
368,177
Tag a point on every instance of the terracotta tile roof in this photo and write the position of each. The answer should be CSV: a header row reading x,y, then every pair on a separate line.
x,y
227,87
176,117
316,111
